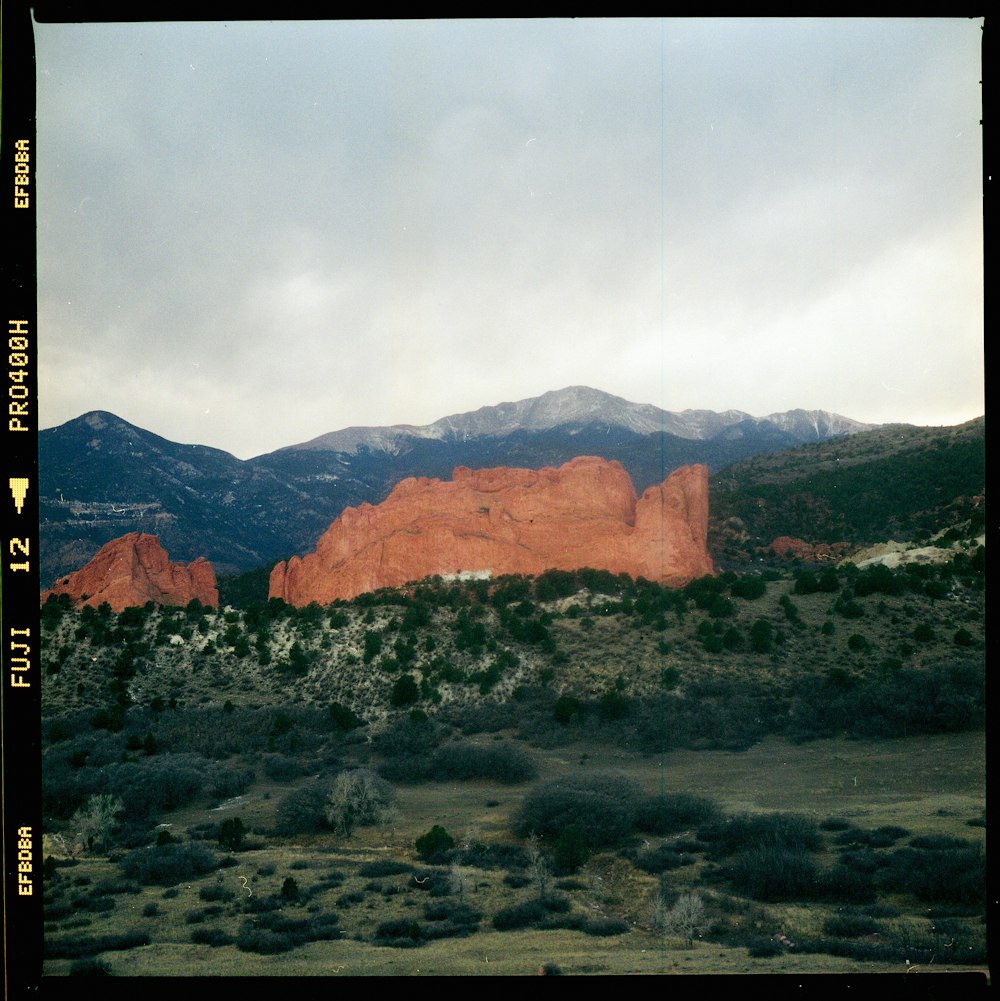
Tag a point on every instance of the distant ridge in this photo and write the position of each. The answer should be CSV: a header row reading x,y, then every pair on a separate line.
x,y
581,406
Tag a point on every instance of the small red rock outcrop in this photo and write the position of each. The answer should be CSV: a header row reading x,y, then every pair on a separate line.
x,y
134,569
509,521
788,547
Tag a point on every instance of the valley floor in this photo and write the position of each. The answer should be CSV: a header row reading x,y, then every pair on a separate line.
x,y
931,785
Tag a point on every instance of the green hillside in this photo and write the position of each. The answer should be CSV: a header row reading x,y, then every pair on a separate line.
x,y
900,483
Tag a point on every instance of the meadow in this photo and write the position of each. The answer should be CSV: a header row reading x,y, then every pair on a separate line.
x,y
932,788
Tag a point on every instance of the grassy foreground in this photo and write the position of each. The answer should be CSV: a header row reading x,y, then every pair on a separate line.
x,y
930,786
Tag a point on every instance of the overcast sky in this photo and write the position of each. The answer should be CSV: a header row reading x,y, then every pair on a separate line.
x,y
250,234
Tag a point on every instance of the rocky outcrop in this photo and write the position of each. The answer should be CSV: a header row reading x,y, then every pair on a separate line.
x,y
134,569
509,521
896,554
788,547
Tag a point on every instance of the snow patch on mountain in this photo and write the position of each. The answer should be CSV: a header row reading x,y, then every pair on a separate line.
x,y
576,407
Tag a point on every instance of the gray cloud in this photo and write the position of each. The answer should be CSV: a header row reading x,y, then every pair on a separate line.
x,y
254,233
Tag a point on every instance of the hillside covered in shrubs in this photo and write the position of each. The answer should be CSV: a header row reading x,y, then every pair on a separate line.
x,y
299,748
723,661
896,482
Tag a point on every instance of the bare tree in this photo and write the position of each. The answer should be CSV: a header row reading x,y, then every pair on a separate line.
x,y
458,881
95,821
656,911
358,799
472,841
686,919
538,865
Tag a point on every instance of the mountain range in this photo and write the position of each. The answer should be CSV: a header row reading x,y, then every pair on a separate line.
x,y
101,477
581,407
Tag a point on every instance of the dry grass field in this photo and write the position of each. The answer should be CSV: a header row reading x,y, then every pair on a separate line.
x,y
930,786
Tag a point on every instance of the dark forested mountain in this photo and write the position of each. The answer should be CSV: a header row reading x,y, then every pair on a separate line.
x,y
895,482
101,477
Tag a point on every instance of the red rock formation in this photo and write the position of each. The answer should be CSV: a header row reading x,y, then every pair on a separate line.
x,y
787,546
507,521
134,569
